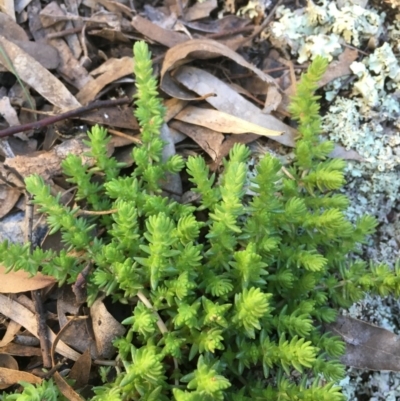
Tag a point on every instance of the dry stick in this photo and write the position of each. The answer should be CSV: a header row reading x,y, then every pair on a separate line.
x,y
69,114
43,332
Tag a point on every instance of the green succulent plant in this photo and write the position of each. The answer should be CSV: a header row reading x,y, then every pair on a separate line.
x,y
227,304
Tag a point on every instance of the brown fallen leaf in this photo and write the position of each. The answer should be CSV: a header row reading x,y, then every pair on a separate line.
x,y
153,31
8,377
200,10
80,371
9,28
367,346
12,329
114,69
8,198
229,101
340,67
273,99
66,390
21,350
27,319
105,329
21,281
222,122
35,75
7,361
199,49
210,141
76,333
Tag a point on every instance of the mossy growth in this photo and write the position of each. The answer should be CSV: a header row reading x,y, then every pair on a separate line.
x,y
224,307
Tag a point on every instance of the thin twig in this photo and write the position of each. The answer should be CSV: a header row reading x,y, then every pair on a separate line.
x,y
60,333
69,114
43,330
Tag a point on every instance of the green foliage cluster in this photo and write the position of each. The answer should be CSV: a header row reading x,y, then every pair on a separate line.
x,y
229,295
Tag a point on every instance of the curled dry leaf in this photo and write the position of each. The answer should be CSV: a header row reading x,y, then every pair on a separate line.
x,y
35,75
199,49
222,122
8,198
113,70
12,329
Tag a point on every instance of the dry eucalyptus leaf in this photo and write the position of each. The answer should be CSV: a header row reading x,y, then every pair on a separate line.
x,y
171,182
173,106
199,49
210,141
35,75
340,67
117,117
200,10
27,319
160,35
8,198
21,350
67,391
105,329
222,122
21,281
341,153
76,334
229,101
8,112
367,346
273,99
10,29
9,377
8,362
45,54
80,371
